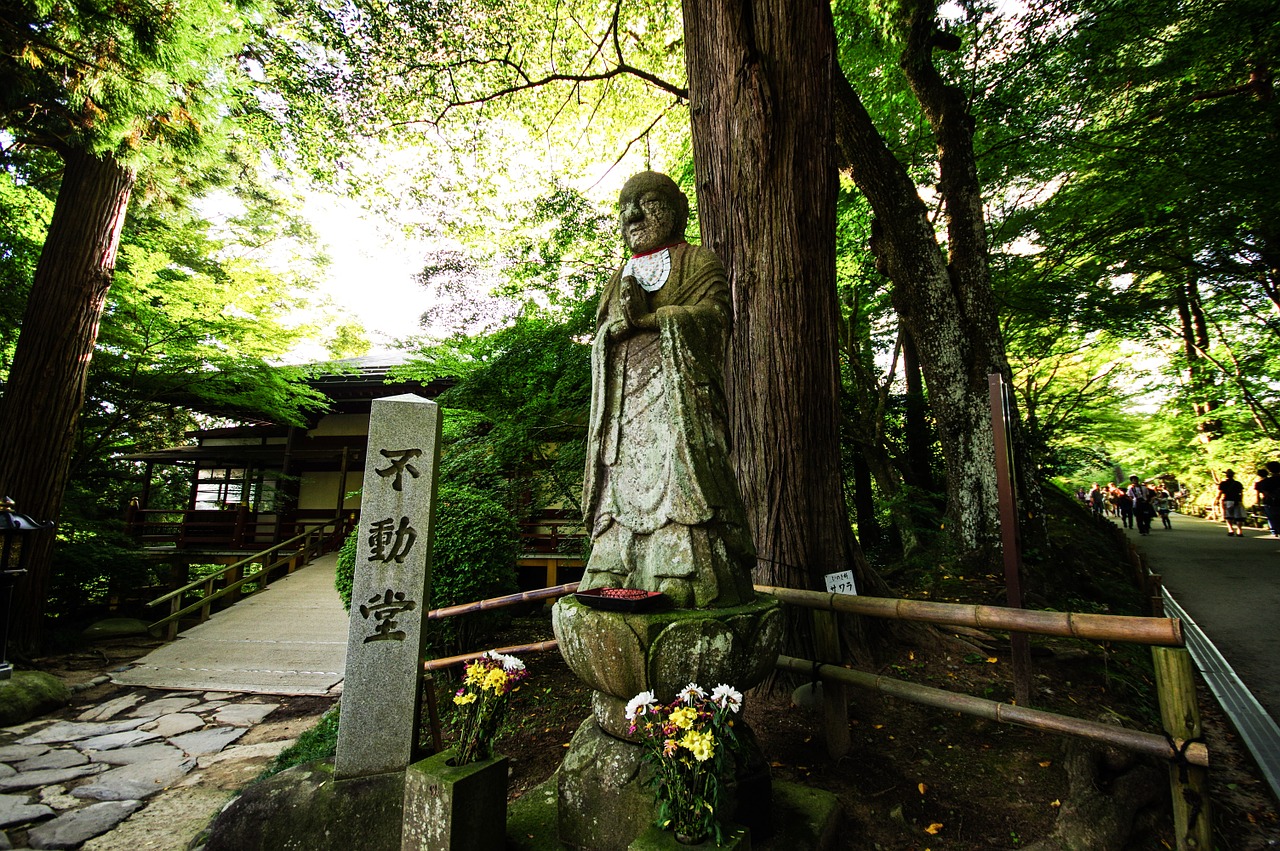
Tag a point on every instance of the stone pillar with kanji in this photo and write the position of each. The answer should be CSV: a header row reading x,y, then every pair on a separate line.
x,y
391,590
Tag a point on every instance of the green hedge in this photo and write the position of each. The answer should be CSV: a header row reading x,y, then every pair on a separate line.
x,y
474,557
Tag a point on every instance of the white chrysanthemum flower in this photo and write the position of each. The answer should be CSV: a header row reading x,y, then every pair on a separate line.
x,y
643,700
508,663
691,693
726,697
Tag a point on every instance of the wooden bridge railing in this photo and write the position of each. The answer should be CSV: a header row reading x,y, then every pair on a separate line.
x,y
228,583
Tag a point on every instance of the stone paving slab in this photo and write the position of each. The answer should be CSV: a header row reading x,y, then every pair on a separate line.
x,y
174,724
73,731
17,753
61,758
72,829
244,714
46,777
163,706
204,742
18,809
126,739
137,781
111,708
141,753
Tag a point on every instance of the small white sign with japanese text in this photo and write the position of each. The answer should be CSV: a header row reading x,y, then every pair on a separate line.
x,y
841,583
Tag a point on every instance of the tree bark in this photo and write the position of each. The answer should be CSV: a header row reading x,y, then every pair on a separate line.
x,y
917,435
46,385
760,98
944,300
1200,375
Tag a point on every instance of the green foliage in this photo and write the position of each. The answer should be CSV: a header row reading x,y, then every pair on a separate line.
x,y
151,84
347,567
515,417
91,564
25,213
473,558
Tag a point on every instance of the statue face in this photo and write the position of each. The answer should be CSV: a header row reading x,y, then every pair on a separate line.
x,y
647,221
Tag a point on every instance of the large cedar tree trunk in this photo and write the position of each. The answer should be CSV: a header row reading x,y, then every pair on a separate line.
x,y
46,385
760,97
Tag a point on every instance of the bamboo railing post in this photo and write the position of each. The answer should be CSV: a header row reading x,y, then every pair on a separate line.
x,y
835,697
1176,687
433,712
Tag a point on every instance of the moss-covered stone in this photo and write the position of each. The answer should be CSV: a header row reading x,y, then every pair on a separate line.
x,y
30,694
803,818
115,628
306,809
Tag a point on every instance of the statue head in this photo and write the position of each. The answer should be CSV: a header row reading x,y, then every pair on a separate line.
x,y
652,212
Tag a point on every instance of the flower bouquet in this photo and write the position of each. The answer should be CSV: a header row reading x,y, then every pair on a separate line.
x,y
688,742
482,703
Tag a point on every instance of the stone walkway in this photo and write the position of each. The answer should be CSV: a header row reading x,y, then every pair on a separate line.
x,y
139,769
165,761
288,639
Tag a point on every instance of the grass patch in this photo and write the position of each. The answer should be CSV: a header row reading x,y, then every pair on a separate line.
x,y
320,742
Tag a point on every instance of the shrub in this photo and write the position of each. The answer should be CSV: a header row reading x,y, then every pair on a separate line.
x,y
474,557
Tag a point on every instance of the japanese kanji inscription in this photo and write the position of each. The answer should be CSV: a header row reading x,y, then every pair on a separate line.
x,y
391,589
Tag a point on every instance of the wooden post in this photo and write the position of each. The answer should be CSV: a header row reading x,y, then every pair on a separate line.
x,y
1180,714
835,698
1155,594
171,628
1007,487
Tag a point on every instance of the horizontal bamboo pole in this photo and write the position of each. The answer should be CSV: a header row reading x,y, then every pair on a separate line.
x,y
502,602
437,664
1006,713
1159,631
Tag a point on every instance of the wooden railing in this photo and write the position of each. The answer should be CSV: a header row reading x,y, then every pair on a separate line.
x,y
228,583
1181,742
233,528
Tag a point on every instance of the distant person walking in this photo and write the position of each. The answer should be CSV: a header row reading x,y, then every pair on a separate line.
x,y
1268,491
1124,506
1140,497
1163,504
1096,499
1230,498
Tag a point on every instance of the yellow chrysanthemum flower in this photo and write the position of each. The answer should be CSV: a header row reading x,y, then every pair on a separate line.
x,y
495,680
701,745
684,717
463,699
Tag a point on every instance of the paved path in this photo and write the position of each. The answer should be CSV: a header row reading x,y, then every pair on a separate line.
x,y
1231,588
288,639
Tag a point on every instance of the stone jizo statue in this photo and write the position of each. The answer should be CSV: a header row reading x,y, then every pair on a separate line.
x,y
660,498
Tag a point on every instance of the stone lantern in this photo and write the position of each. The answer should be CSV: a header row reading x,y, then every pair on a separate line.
x,y
15,532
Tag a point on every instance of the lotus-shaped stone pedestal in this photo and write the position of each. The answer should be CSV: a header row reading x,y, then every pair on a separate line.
x,y
603,803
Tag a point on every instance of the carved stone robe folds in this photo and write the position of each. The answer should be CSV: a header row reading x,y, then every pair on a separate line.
x,y
659,495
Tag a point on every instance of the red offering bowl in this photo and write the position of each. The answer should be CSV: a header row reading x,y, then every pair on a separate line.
x,y
620,599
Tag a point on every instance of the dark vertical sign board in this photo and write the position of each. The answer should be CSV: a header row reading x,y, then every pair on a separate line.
x,y
1006,484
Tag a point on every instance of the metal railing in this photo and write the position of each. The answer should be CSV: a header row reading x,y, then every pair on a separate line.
x,y
228,583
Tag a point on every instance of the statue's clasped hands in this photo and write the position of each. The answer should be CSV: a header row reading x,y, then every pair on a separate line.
x,y
635,310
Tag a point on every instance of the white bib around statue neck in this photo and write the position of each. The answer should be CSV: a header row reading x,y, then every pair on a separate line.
x,y
650,270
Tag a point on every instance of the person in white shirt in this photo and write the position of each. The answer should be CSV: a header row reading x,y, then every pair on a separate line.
x,y
1143,510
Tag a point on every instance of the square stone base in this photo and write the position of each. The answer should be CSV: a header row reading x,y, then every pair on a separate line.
x,y
803,818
